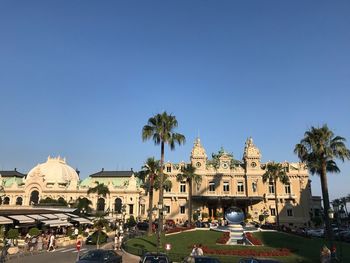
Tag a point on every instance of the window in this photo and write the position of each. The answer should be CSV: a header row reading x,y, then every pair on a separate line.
x,y
168,169
131,209
272,211
289,212
167,209
240,187
182,209
167,189
226,186
183,187
271,188
211,187
287,188
254,187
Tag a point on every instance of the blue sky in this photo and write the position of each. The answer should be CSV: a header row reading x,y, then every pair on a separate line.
x,y
80,78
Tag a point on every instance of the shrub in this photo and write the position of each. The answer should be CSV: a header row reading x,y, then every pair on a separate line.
x,y
34,231
131,221
12,234
252,239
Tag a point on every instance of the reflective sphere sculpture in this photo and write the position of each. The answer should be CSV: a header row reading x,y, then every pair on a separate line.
x,y
234,215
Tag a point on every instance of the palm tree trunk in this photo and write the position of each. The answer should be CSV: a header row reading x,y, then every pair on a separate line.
x,y
150,203
276,203
161,201
190,202
325,195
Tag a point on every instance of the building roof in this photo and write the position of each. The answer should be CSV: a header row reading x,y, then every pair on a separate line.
x,y
13,173
104,173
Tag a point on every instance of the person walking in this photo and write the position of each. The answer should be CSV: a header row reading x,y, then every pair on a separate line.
x,y
52,243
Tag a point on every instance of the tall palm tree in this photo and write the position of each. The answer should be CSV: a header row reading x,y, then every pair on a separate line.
x,y
160,128
275,172
100,189
150,169
318,149
188,174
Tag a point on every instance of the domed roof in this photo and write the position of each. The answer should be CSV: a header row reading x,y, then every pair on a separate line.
x,y
54,170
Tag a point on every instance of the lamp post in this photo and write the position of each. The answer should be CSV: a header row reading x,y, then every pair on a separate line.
x,y
330,214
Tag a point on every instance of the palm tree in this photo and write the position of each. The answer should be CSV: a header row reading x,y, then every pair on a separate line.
x,y
160,128
318,149
150,169
99,223
188,174
275,172
100,189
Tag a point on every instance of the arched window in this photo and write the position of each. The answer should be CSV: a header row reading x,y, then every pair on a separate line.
x,y
34,198
61,201
19,201
118,205
100,204
6,200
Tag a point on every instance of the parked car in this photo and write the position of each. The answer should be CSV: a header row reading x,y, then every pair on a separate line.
x,y
256,260
92,239
100,256
201,259
150,257
143,226
315,232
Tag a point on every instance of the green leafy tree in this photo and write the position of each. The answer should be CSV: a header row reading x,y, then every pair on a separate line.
x,y
160,128
150,171
188,174
83,204
275,172
99,223
318,149
34,231
13,234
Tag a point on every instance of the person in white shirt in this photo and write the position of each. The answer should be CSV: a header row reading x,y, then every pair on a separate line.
x,y
52,243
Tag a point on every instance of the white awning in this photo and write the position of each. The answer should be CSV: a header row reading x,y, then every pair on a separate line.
x,y
71,215
61,216
81,220
49,216
37,217
56,223
5,221
22,219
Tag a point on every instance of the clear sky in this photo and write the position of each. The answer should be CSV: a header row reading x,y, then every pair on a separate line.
x,y
80,78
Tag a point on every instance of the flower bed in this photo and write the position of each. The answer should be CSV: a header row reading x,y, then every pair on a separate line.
x,y
252,239
178,229
248,252
225,237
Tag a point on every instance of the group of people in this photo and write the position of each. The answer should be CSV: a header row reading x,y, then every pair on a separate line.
x,y
197,250
40,242
118,241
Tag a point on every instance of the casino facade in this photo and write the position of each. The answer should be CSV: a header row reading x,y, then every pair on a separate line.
x,y
226,182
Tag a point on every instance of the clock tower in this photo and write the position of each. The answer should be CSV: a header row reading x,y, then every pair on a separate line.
x,y
251,156
198,156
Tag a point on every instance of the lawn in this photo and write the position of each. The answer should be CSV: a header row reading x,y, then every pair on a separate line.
x,y
303,249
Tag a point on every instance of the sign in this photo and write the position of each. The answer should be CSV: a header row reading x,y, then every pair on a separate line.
x,y
78,245
167,246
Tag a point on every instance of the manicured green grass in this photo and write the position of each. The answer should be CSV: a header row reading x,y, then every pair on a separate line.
x,y
303,249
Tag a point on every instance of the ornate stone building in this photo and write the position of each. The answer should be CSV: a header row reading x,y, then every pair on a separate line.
x,y
225,182
57,180
228,182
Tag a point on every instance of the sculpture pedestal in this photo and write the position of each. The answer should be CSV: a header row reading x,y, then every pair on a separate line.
x,y
236,234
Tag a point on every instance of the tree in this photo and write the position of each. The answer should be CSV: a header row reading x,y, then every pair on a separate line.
x,y
160,128
344,201
318,149
100,189
99,223
150,170
188,174
275,172
83,204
